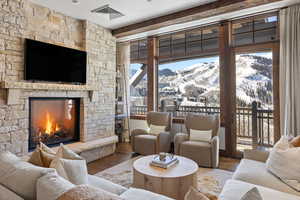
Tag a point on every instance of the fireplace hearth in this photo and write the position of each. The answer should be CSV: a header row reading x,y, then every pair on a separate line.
x,y
53,121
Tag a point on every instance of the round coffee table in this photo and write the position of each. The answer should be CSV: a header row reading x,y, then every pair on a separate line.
x,y
173,182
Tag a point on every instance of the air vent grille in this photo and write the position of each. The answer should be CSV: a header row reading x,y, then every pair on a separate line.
x,y
113,14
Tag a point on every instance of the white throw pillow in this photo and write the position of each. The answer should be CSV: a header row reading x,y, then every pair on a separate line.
x,y
284,162
20,176
156,130
51,186
67,153
252,194
74,171
199,135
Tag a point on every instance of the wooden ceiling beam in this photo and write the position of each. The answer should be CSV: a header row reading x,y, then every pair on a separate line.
x,y
191,14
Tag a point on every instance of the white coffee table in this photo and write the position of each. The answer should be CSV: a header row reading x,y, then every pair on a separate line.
x,y
173,182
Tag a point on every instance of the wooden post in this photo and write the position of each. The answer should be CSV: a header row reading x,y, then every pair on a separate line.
x,y
254,125
276,95
152,74
227,89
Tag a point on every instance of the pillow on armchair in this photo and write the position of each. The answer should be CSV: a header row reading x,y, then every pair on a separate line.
x,y
200,135
156,130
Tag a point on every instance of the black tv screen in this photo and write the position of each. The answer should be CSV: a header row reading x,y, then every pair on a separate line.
x,y
48,62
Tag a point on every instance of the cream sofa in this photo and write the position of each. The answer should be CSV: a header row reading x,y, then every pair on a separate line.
x,y
251,173
20,180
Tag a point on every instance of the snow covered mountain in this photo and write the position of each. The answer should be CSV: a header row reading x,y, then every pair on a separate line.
x,y
199,84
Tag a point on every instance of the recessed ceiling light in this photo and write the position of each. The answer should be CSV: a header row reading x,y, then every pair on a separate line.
x,y
75,1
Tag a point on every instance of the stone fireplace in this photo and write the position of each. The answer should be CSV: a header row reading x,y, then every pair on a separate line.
x,y
95,130
53,121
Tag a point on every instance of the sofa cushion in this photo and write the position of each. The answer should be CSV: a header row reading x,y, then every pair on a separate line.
x,y
74,171
8,195
51,186
106,185
145,144
88,192
139,194
234,190
282,154
255,172
19,176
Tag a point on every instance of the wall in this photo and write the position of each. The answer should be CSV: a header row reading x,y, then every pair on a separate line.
x,y
21,19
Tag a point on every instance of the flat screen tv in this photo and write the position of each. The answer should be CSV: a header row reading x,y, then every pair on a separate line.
x,y
48,62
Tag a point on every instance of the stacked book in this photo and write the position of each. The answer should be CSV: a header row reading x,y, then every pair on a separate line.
x,y
165,163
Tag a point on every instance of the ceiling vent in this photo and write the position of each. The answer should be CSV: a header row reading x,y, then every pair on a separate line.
x,y
113,14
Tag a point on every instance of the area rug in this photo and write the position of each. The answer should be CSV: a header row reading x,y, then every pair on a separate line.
x,y
209,180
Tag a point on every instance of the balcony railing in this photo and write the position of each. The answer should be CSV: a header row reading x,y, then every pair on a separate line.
x,y
254,125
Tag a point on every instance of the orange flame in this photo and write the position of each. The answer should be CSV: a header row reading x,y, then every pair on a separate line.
x,y
50,126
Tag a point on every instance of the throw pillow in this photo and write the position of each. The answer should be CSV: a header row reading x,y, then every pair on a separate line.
x,y
200,135
193,194
296,141
46,149
67,153
36,158
252,194
51,186
156,130
87,192
42,156
74,171
284,163
20,176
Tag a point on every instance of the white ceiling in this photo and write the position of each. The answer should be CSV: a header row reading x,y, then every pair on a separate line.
x,y
134,10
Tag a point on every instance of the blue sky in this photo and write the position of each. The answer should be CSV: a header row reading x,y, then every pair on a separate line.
x,y
182,64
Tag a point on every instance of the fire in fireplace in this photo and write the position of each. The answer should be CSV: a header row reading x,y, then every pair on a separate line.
x,y
53,121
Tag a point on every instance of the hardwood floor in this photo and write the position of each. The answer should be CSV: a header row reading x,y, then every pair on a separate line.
x,y
124,152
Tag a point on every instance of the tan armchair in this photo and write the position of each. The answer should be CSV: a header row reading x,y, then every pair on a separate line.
x,y
146,143
206,154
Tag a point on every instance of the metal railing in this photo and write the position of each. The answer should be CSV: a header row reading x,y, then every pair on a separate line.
x,y
254,125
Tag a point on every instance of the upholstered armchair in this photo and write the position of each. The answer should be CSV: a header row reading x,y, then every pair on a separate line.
x,y
205,153
146,143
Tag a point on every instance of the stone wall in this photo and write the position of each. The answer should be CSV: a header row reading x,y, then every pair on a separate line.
x,y
21,19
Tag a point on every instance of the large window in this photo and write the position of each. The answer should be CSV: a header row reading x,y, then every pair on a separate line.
x,y
190,86
188,77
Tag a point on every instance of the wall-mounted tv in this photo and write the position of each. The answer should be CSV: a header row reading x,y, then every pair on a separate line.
x,y
48,62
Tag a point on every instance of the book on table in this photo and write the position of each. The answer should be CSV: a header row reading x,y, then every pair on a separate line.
x,y
167,162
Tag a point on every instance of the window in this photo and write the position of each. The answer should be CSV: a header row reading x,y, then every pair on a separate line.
x,y
189,86
188,43
254,97
138,89
138,51
255,29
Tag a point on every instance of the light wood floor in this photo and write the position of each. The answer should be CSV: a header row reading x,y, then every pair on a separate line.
x,y
124,152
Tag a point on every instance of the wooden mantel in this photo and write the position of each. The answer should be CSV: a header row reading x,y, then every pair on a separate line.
x,y
200,12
